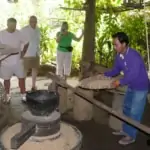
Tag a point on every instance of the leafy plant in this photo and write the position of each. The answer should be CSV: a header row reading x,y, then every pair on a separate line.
x,y
47,45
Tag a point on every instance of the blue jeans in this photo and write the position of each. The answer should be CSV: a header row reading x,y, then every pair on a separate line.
x,y
133,107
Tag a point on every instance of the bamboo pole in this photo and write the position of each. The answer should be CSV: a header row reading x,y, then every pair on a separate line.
x,y
101,105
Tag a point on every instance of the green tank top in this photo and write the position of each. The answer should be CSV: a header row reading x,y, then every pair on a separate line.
x,y
65,41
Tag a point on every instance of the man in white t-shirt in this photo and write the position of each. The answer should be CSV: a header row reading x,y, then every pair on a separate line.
x,y
32,57
12,65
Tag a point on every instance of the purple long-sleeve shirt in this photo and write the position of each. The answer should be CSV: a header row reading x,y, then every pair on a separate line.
x,y
133,67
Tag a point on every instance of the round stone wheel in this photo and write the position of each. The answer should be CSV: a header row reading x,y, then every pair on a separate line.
x,y
70,139
47,125
51,119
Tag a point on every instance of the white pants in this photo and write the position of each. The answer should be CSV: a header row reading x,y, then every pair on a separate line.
x,y
63,63
7,71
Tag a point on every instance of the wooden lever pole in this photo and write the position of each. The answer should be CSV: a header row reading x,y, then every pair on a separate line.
x,y
100,105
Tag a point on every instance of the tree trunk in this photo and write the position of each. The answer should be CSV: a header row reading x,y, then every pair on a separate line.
x,y
88,55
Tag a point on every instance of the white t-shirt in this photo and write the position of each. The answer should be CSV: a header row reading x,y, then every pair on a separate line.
x,y
33,36
14,40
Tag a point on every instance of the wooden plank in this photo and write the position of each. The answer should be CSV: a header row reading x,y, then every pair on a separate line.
x,y
20,138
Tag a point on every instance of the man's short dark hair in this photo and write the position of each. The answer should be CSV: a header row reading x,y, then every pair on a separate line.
x,y
33,17
13,20
122,37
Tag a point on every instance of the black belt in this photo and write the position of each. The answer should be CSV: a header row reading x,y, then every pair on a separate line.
x,y
69,48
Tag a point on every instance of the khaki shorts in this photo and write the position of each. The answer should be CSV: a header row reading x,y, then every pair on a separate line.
x,y
31,62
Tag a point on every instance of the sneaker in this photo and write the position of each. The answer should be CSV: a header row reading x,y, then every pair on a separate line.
x,y
23,97
118,133
126,141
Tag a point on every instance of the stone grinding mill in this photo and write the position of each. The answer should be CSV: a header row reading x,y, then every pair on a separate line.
x,y
41,127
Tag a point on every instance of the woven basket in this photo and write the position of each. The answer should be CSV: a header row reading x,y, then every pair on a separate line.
x,y
97,82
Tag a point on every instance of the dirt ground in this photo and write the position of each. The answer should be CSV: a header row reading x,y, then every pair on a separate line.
x,y
95,136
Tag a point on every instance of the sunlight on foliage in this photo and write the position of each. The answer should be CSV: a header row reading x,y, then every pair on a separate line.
x,y
50,19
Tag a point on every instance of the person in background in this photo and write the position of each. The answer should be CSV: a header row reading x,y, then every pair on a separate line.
x,y
135,77
12,65
64,51
32,57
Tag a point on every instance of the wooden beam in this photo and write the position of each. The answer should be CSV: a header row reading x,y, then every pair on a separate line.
x,y
100,105
76,9
114,9
103,10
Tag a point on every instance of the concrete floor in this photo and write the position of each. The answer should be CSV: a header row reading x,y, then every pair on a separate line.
x,y
95,136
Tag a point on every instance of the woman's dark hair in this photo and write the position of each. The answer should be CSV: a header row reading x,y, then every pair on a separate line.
x,y
65,23
122,37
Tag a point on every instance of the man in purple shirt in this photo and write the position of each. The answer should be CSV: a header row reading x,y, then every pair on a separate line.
x,y
135,77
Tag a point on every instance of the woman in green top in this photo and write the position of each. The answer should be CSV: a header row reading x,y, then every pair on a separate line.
x,y
64,51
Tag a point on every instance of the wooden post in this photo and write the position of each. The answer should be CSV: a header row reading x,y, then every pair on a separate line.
x,y
117,104
88,54
82,109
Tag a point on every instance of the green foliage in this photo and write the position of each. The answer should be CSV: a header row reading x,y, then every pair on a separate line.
x,y
106,25
74,3
131,22
47,45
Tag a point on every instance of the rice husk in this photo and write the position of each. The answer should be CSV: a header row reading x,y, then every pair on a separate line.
x,y
97,82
